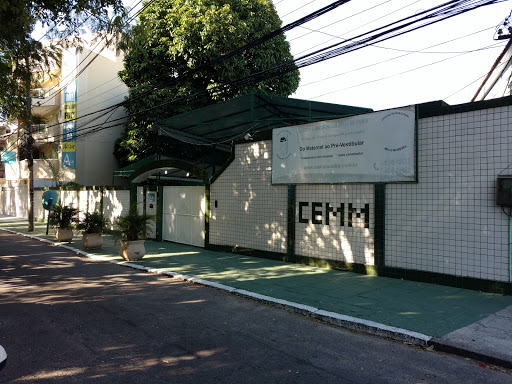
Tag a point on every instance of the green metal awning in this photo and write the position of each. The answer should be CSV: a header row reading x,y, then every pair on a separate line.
x,y
224,123
129,169
228,121
166,168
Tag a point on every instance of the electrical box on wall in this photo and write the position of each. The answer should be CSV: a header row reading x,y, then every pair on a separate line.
x,y
504,191
151,202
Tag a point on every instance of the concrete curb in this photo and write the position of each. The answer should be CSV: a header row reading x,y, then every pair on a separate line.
x,y
374,328
455,349
348,322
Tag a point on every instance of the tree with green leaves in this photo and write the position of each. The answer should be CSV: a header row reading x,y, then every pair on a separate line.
x,y
167,59
21,56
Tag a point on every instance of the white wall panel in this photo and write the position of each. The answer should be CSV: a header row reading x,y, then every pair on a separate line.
x,y
184,215
246,210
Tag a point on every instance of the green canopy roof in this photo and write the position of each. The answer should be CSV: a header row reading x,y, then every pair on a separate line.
x,y
168,169
231,120
129,169
224,123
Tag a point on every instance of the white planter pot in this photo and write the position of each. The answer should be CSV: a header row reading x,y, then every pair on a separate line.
x,y
92,240
132,250
64,234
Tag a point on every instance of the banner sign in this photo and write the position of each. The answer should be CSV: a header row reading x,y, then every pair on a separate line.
x,y
69,127
369,148
8,157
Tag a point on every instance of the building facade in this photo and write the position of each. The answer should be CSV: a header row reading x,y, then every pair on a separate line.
x,y
72,141
447,227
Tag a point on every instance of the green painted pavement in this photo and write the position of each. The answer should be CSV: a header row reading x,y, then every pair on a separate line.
x,y
426,308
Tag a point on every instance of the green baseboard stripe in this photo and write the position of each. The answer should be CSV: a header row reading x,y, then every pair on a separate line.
x,y
292,191
503,288
380,221
160,213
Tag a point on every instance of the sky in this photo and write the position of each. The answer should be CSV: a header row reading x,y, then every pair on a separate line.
x,y
445,61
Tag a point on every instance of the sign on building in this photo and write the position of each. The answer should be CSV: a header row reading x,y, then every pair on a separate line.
x,y
8,157
69,127
369,148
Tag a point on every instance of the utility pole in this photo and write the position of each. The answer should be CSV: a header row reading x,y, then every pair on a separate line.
x,y
502,63
30,148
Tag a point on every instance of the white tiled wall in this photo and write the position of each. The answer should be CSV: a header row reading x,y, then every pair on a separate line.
x,y
446,223
39,212
337,240
94,201
83,203
69,198
116,203
14,202
449,222
250,212
9,201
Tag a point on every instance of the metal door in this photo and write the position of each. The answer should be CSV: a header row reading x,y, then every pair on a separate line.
x,y
184,215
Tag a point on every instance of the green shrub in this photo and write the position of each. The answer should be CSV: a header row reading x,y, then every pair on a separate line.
x,y
62,216
93,223
133,226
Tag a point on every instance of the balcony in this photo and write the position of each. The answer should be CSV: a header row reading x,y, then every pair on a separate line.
x,y
45,100
40,128
6,129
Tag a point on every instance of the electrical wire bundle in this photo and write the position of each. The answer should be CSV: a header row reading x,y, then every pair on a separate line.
x,y
403,26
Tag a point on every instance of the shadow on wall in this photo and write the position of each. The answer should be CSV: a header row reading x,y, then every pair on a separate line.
x,y
335,222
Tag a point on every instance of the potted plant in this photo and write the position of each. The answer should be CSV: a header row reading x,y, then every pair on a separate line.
x,y
93,224
135,228
63,219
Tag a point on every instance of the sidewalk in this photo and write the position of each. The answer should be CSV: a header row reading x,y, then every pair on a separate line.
x,y
470,323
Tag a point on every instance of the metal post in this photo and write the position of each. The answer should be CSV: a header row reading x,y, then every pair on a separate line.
x,y
30,148
50,202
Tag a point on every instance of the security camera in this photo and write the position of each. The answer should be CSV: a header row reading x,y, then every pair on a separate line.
x,y
248,136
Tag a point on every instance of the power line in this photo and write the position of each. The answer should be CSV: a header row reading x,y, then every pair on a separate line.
x,y
250,45
401,73
404,55
405,25
474,81
253,43
96,54
431,16
296,9
320,32
240,50
349,17
286,28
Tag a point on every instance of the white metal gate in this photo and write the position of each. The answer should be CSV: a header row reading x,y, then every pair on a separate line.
x,y
184,215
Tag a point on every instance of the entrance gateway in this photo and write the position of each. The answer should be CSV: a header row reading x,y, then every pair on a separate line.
x,y
184,214
180,201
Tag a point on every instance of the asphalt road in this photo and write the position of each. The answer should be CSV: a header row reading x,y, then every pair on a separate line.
x,y
66,319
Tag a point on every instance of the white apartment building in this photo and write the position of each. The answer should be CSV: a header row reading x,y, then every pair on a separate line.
x,y
74,142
